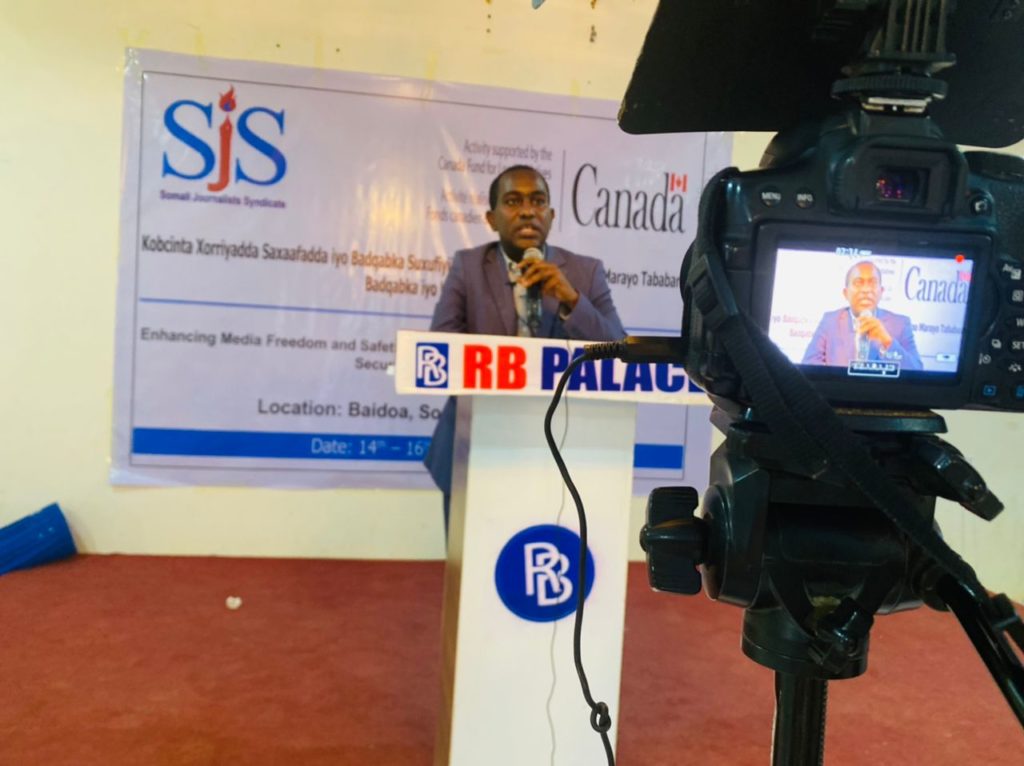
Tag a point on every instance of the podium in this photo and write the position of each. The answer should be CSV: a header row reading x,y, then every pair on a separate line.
x,y
511,695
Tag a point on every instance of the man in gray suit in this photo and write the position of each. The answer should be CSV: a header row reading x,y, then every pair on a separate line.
x,y
862,331
493,290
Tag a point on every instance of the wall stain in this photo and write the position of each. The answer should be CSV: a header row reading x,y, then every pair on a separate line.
x,y
593,33
430,71
199,45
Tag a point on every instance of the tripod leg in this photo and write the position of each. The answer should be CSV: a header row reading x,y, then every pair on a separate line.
x,y
799,735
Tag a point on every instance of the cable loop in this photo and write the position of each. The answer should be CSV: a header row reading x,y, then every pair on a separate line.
x,y
600,720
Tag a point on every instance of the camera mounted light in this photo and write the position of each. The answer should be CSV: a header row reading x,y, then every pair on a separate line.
x,y
789,54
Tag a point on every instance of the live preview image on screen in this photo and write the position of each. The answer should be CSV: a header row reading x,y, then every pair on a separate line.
x,y
871,313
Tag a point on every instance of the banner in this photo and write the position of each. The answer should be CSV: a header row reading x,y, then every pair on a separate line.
x,y
280,224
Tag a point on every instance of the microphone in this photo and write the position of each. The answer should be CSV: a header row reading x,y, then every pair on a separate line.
x,y
863,342
533,308
530,255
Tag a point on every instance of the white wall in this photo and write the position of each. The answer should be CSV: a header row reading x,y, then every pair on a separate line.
x,y
60,160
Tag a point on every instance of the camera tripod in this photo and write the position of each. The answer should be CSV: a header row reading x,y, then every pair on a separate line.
x,y
811,560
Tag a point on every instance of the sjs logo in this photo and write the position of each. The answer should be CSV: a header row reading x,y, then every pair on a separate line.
x,y
257,128
431,365
537,571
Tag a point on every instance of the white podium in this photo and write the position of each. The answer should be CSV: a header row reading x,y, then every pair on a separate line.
x,y
511,696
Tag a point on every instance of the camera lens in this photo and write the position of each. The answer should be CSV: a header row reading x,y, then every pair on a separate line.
x,y
898,184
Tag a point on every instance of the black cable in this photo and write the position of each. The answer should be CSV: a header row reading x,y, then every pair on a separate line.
x,y
554,626
600,719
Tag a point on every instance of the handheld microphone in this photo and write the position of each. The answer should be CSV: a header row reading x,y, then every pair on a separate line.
x,y
530,255
863,342
533,308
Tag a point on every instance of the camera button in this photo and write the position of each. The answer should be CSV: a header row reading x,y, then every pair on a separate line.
x,y
1016,296
981,204
1015,322
1011,271
804,199
1017,346
989,391
771,196
997,345
1018,392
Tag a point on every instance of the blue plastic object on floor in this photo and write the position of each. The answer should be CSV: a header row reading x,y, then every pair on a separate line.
x,y
37,539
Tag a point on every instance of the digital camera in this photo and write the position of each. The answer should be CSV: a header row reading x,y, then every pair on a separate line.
x,y
882,261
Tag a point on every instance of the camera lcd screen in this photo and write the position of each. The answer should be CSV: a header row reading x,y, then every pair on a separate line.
x,y
870,314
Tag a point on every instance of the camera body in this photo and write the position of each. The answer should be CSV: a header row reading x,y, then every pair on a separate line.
x,y
880,259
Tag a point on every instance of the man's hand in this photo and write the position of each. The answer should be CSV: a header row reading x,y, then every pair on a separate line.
x,y
874,329
552,282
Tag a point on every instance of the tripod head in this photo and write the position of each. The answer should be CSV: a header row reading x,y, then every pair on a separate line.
x,y
807,555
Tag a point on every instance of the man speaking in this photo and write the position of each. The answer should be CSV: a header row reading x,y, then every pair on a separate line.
x,y
518,285
862,331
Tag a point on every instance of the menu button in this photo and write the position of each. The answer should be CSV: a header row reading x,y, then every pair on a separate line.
x,y
771,196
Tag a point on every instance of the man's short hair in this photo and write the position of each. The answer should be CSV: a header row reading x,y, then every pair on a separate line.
x,y
514,169
856,266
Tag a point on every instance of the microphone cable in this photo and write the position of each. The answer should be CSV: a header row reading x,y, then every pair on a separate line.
x,y
647,350
600,719
555,624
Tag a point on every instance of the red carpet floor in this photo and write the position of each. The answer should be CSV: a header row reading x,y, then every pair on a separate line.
x,y
108,660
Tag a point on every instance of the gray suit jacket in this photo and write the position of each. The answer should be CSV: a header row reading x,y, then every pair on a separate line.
x,y
477,298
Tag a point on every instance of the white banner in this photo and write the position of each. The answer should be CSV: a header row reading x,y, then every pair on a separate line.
x,y
280,224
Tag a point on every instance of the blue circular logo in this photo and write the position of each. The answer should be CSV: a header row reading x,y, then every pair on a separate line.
x,y
537,573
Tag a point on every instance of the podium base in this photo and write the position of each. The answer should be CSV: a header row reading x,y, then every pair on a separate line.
x,y
511,694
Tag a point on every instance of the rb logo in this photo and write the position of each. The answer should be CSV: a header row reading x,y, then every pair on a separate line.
x,y
537,571
431,365
194,112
